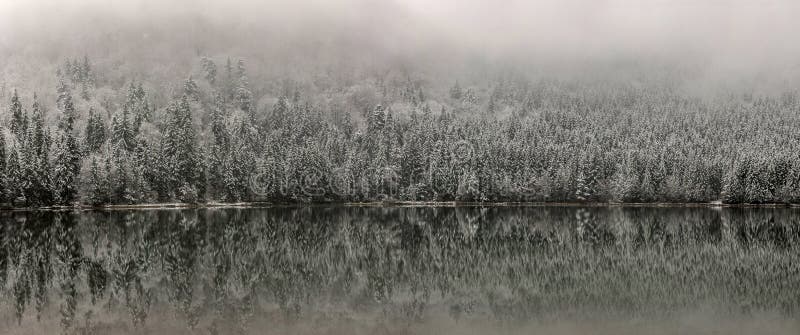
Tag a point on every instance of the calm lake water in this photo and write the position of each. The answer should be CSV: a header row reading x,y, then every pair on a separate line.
x,y
370,270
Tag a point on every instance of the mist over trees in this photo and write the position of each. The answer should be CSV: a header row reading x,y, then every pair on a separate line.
x,y
224,106
507,139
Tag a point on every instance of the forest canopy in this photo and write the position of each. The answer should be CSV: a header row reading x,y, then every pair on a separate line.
x,y
368,101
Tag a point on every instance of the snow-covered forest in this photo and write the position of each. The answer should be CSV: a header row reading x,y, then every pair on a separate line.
x,y
390,138
142,118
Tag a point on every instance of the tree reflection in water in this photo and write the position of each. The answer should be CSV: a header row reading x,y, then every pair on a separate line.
x,y
228,270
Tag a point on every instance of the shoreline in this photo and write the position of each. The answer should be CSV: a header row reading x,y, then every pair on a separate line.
x,y
396,204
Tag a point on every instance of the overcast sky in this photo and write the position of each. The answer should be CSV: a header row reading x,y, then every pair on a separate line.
x,y
731,35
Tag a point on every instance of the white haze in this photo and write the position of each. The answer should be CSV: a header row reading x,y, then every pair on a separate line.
x,y
723,40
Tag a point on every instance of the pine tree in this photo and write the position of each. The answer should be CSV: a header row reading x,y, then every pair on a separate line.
x,y
241,74
2,165
586,183
280,113
63,93
66,167
95,131
98,183
68,115
15,181
376,120
86,72
181,151
244,99
18,118
210,70
38,137
190,88
221,138
137,107
229,85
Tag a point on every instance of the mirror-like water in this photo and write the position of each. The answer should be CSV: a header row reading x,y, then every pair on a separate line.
x,y
356,270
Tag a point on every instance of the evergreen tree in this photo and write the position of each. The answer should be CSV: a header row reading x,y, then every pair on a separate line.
x,y
137,107
376,120
62,93
280,113
15,180
66,167
241,74
190,88
95,131
181,152
586,183
18,118
86,72
2,165
68,115
210,70
98,192
37,138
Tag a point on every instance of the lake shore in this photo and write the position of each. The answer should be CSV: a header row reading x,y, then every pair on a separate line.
x,y
211,205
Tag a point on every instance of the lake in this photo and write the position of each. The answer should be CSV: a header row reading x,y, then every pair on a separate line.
x,y
402,270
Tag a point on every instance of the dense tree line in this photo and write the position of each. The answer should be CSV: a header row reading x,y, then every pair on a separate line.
x,y
507,139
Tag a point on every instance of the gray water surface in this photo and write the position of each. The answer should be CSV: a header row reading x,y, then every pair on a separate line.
x,y
409,270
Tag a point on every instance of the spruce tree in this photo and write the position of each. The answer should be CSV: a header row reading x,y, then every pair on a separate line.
x,y
66,167
62,94
68,115
376,120
95,131
2,165
280,113
210,70
14,178
86,72
98,185
18,118
181,151
38,137
190,88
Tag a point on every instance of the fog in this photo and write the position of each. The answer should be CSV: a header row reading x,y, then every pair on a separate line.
x,y
738,36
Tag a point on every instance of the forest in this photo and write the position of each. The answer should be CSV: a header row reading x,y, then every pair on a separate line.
x,y
389,138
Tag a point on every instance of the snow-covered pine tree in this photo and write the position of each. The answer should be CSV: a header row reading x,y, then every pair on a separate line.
x,y
37,133
586,183
190,88
122,134
14,178
68,115
280,114
241,74
376,120
181,151
66,167
62,93
95,131
2,165
209,70
98,192
18,118
87,77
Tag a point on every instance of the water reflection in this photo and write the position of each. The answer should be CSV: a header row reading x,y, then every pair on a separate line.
x,y
220,271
